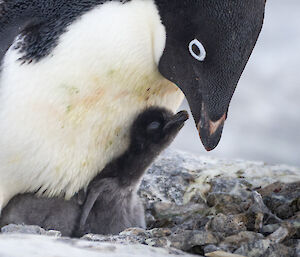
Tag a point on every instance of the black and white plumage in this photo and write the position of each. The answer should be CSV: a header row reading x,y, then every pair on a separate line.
x,y
111,203
75,74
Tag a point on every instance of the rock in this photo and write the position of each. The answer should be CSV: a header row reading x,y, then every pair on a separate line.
x,y
158,242
222,254
282,233
295,222
282,199
279,250
259,212
229,195
229,225
270,228
160,232
297,249
235,241
33,230
53,233
170,214
127,237
23,229
263,248
254,249
210,248
198,205
187,239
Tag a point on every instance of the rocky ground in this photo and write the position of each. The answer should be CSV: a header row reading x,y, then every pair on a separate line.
x,y
194,205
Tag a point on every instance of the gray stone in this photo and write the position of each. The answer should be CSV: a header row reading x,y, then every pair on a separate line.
x,y
270,228
297,249
54,233
20,229
222,254
254,249
282,233
160,232
282,199
130,236
279,250
186,240
158,242
229,225
229,195
210,248
235,241
264,248
170,214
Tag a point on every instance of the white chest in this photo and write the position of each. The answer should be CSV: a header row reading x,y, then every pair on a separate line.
x,y
64,118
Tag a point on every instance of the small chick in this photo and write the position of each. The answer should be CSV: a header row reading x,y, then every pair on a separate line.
x,y
111,203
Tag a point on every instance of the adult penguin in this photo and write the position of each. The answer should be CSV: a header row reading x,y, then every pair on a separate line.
x,y
76,73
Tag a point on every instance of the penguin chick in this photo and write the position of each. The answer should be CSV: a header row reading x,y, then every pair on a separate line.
x,y
111,204
48,213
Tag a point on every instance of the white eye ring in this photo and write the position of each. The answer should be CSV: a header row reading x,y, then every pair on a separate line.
x,y
202,55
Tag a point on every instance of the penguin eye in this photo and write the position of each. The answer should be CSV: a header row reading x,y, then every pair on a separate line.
x,y
197,50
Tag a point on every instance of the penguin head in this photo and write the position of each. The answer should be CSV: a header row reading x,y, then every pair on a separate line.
x,y
155,128
207,47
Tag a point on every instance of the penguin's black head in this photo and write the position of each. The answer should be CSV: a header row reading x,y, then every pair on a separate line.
x,y
155,128
207,48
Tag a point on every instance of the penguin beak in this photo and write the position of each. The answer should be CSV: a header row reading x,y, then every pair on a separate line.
x,y
209,120
210,131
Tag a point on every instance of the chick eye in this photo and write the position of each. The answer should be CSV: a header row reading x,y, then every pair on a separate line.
x,y
153,126
197,50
